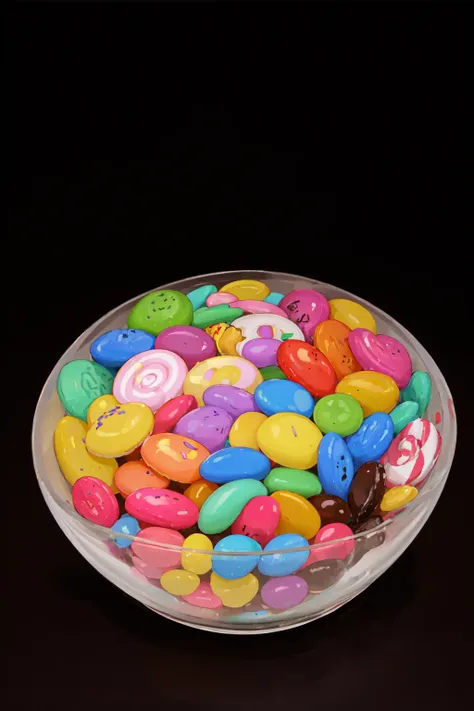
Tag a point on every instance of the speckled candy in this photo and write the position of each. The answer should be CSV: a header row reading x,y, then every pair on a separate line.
x,y
307,308
258,519
94,500
335,466
210,426
114,348
382,354
161,507
233,400
159,310
338,413
367,490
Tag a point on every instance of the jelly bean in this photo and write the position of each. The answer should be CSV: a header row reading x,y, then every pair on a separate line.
x,y
338,413
169,414
332,339
375,392
199,491
132,476
209,426
233,463
233,400
262,352
120,430
149,572
224,505
161,309
307,308
335,466
220,298
252,306
397,497
73,458
274,298
368,541
322,574
258,519
403,414
272,372
297,515
160,507
221,370
199,296
304,483
80,382
203,597
234,593
192,344
94,500
283,593
418,390
114,348
255,326
273,396
337,550
307,366
371,440
233,567
352,314
332,509
243,432
247,289
152,547
176,457
412,454
100,406
128,525
199,563
206,316
284,563
367,490
290,440
179,582
383,354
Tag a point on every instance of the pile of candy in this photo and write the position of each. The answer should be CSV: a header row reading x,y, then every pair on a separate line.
x,y
242,421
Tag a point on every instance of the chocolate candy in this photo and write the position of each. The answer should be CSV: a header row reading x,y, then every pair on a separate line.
x,y
367,490
322,574
366,543
332,509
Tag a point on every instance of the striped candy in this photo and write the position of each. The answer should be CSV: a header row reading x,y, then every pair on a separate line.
x,y
412,454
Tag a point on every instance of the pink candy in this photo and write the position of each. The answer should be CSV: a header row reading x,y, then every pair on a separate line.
x,y
258,519
258,307
381,353
94,500
203,597
412,454
330,532
221,297
162,508
155,555
307,308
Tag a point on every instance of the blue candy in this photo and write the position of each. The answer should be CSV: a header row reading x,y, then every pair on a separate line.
x,y
274,298
335,465
274,396
114,348
235,566
198,296
284,563
232,463
126,524
371,440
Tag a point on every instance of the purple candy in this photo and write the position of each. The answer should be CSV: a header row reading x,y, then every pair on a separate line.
x,y
261,351
231,399
282,593
192,344
210,426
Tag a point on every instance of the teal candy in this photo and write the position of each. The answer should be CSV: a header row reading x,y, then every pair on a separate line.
x,y
80,382
301,482
198,296
418,390
274,298
223,506
403,414
206,316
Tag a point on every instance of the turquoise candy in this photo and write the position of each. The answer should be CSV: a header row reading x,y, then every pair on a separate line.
x,y
208,316
223,506
274,298
198,296
80,382
418,390
403,414
298,481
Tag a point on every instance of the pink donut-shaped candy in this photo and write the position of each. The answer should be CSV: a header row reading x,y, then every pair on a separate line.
x,y
381,353
307,308
152,378
219,298
412,454
250,306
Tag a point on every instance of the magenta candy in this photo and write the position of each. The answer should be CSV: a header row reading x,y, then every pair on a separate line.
x,y
161,507
219,298
208,425
258,519
258,307
339,550
154,554
261,351
192,344
231,399
307,308
203,597
283,593
94,500
381,353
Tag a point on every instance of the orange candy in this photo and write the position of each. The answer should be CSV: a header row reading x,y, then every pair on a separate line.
x,y
133,456
307,366
331,337
176,457
199,491
132,476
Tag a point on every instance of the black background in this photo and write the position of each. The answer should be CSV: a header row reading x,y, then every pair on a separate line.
x,y
138,162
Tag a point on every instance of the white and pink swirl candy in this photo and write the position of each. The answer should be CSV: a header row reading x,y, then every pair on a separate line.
x,y
412,454
152,378
307,308
381,353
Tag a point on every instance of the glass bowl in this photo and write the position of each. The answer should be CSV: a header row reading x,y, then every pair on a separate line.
x,y
374,551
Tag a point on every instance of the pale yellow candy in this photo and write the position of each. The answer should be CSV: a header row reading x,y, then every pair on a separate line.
x,y
245,289
375,392
397,497
73,458
198,563
243,432
352,314
179,582
221,370
101,404
119,431
234,593
290,440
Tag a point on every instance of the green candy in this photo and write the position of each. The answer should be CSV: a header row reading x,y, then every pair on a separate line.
x,y
159,310
80,382
223,506
301,482
338,413
208,316
418,390
272,372
403,414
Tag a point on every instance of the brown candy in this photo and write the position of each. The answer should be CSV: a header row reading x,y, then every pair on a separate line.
x,y
366,543
332,509
322,574
367,490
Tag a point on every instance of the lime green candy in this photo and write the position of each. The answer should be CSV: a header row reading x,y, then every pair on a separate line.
x,y
338,413
272,372
301,482
418,390
159,310
223,506
403,414
208,316
80,382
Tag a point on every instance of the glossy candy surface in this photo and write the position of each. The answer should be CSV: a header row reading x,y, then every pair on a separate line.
x,y
230,398
210,426
80,382
332,339
234,593
290,440
381,353
161,507
285,592
226,503
233,463
100,406
94,500
307,308
332,509
412,454
174,456
338,413
335,466
307,366
258,519
120,430
247,289
191,344
367,490
354,315
273,396
135,475
169,414
287,562
233,567
304,483
74,460
297,515
160,310
371,440
199,563
418,390
198,296
221,370
114,348
243,432
403,414
375,392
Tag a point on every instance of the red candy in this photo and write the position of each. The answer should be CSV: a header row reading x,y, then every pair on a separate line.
x,y
306,365
169,414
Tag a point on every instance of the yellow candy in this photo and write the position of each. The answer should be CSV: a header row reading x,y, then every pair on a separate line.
x,y
397,497
247,289
179,582
120,431
290,440
243,432
234,593
221,370
376,392
198,563
352,314
74,459
101,404
297,515
199,491
226,345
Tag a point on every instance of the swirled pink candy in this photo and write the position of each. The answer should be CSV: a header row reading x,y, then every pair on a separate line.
x,y
381,353
412,454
